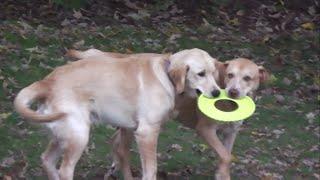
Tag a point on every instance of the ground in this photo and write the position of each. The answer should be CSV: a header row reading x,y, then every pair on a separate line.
x,y
280,141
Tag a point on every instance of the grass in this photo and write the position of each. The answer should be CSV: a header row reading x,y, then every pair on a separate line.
x,y
256,142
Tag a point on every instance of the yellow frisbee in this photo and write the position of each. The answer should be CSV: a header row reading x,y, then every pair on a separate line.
x,y
242,108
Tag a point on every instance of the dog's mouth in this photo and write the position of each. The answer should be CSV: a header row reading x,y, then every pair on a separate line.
x,y
233,96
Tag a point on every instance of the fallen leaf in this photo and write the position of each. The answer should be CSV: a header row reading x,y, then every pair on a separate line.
x,y
131,5
308,26
78,44
314,148
308,162
297,76
176,147
77,14
7,162
273,79
35,49
142,14
312,10
279,98
203,147
5,115
266,39
65,22
234,21
278,132
25,25
310,117
240,13
286,81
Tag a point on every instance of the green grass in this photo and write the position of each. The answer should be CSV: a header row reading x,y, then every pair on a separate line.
x,y
23,66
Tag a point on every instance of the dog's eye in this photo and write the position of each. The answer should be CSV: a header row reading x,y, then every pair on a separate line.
x,y
230,75
202,73
247,78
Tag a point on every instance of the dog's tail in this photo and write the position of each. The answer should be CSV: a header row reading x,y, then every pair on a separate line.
x,y
30,94
83,54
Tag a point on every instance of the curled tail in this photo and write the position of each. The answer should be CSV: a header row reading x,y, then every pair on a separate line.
x,y
30,94
92,53
83,54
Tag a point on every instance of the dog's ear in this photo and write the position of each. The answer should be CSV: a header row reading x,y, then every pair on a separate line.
x,y
73,53
226,64
264,75
219,66
220,73
178,77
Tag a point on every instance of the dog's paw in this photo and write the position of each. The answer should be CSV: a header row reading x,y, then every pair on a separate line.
x,y
110,175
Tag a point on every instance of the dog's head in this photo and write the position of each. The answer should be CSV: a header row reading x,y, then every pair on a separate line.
x,y
192,72
242,77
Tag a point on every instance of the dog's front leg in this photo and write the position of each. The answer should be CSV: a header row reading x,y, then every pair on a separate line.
x,y
207,130
229,139
121,142
147,139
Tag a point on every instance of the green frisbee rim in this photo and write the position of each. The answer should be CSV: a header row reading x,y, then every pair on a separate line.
x,y
246,108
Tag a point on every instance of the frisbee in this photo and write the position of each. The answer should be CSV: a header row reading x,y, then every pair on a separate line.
x,y
241,108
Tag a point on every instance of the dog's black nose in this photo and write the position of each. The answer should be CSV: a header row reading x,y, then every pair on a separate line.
x,y
198,92
233,93
215,93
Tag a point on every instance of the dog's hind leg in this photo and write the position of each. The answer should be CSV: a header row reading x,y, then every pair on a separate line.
x,y
121,142
74,144
49,159
147,140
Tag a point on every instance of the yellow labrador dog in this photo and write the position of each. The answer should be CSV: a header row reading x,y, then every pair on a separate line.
x,y
136,94
240,77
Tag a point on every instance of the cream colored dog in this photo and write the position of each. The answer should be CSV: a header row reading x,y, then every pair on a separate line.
x,y
240,77
136,94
